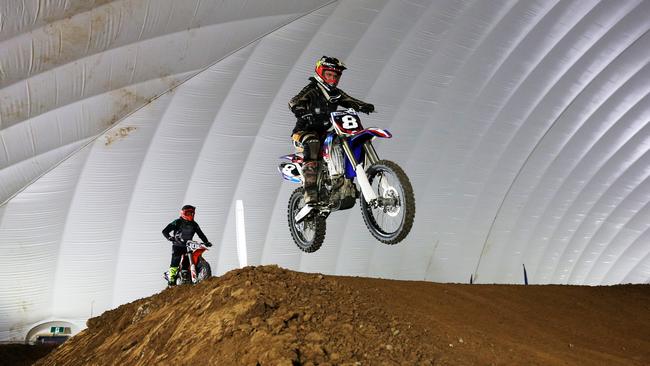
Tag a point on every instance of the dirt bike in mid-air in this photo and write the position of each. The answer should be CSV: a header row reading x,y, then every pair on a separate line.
x,y
386,195
193,268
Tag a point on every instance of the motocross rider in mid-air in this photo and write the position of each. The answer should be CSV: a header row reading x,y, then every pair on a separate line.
x,y
312,107
179,232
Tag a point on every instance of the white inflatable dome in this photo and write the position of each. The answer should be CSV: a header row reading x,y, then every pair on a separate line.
x,y
523,126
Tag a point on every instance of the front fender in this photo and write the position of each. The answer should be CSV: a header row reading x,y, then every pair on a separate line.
x,y
368,134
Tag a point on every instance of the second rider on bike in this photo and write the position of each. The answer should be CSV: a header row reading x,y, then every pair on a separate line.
x,y
179,232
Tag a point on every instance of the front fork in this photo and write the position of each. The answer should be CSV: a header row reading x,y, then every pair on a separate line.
x,y
371,155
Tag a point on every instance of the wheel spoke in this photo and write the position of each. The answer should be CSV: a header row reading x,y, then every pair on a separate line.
x,y
388,212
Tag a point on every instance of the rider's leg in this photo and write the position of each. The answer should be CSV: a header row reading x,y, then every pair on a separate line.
x,y
177,253
173,272
311,145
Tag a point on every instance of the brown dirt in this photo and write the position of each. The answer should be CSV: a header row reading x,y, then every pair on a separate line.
x,y
22,354
271,316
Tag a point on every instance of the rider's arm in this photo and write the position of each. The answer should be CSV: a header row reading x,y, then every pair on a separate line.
x,y
199,232
300,105
167,230
357,104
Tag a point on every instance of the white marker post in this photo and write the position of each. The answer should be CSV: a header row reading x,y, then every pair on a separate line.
x,y
241,234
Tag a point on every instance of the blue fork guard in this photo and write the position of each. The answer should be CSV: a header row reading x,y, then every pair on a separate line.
x,y
356,144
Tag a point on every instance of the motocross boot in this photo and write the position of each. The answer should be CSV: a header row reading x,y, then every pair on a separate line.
x,y
173,272
310,172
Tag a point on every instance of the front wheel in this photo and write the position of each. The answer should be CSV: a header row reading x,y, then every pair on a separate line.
x,y
309,233
390,218
203,270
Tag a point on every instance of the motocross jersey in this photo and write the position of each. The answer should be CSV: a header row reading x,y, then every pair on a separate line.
x,y
313,105
185,229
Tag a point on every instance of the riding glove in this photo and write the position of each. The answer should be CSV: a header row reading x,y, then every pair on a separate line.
x,y
366,108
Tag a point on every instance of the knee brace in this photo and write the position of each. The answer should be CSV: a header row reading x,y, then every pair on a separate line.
x,y
311,145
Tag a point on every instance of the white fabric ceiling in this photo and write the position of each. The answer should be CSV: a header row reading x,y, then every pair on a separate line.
x,y
522,124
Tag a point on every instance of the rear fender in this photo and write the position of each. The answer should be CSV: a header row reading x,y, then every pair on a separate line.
x,y
294,158
291,171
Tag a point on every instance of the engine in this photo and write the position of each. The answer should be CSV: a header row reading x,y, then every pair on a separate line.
x,y
341,191
334,157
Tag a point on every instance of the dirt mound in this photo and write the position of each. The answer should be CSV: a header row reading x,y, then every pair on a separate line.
x,y
264,315
271,316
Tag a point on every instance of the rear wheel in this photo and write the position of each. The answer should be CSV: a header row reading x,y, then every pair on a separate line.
x,y
309,233
390,218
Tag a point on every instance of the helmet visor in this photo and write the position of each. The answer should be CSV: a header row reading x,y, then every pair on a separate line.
x,y
329,75
188,214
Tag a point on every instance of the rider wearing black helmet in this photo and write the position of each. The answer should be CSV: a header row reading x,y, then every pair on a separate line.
x,y
183,229
312,107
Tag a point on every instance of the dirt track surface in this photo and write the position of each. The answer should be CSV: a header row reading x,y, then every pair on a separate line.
x,y
271,316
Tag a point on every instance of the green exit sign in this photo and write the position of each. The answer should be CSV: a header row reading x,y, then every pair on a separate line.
x,y
57,329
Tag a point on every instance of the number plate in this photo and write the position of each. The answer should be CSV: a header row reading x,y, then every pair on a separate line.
x,y
193,245
346,122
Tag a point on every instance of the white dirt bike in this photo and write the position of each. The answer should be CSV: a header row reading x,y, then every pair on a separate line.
x,y
385,192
